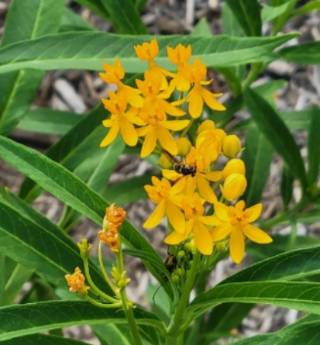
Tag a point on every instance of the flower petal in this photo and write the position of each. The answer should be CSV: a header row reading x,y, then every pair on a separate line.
x,y
256,235
176,218
211,101
221,232
149,143
202,239
166,140
174,238
222,211
205,189
237,246
175,125
111,136
156,216
171,175
128,132
195,103
214,176
253,213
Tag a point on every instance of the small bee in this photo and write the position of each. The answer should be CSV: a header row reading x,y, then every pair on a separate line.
x,y
185,169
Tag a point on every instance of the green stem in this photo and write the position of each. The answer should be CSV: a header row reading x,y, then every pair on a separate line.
x,y
102,305
174,331
93,286
255,70
103,269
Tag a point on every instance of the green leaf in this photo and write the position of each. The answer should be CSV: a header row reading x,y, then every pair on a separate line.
x,y
301,296
95,6
110,334
314,147
73,22
306,333
49,121
291,265
271,12
36,18
274,129
89,50
308,7
40,339
124,16
71,190
308,53
38,317
286,186
257,157
202,28
248,14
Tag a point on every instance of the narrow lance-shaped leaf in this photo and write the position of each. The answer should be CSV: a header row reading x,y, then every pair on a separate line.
x,y
41,339
70,189
36,18
308,53
90,50
279,136
248,14
257,156
45,316
301,296
314,147
286,186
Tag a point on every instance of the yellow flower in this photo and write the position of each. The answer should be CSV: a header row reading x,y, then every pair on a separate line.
x,y
76,282
234,166
147,51
197,225
199,95
121,121
209,140
231,146
195,170
153,114
180,56
113,74
235,221
166,197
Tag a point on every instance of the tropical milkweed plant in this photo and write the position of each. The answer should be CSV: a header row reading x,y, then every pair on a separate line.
x,y
210,168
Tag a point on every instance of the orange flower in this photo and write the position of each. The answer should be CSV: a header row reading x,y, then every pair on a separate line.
x,y
76,282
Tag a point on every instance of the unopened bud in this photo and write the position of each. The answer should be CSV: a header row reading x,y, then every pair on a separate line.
x,y
231,146
165,162
184,146
234,166
85,248
206,125
234,186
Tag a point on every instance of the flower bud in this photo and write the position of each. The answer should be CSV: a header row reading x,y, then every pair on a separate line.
x,y
85,248
114,216
234,166
181,254
231,146
234,186
76,282
165,162
175,278
184,146
206,125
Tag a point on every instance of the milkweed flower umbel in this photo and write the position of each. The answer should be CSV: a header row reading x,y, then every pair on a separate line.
x,y
76,282
202,176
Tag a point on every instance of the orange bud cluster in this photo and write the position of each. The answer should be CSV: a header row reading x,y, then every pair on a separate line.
x,y
76,282
112,222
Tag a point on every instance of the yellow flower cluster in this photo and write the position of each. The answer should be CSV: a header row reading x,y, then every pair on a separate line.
x,y
162,104
76,282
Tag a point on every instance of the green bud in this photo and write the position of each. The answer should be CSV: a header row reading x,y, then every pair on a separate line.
x,y
85,248
175,278
181,254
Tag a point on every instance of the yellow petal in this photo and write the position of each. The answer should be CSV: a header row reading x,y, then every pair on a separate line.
x,y
176,218
234,166
167,141
234,186
237,246
107,123
174,238
156,216
129,133
202,239
211,101
209,220
173,110
257,235
253,213
205,189
175,125
195,104
149,143
221,211
214,176
171,175
111,136
220,233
